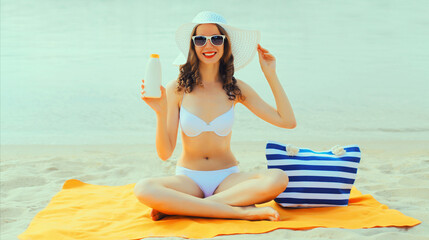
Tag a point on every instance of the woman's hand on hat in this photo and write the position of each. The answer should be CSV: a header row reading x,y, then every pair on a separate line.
x,y
159,105
267,60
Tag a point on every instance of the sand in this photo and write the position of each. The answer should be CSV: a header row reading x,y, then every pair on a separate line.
x,y
395,173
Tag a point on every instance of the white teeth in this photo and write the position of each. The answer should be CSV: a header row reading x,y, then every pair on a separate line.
x,y
209,54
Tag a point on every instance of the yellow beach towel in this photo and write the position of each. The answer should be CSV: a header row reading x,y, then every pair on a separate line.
x,y
86,211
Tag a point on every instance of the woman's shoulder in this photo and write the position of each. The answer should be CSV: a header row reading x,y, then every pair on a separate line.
x,y
244,87
172,87
172,90
242,84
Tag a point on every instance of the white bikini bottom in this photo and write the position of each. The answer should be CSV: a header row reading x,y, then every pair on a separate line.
x,y
208,181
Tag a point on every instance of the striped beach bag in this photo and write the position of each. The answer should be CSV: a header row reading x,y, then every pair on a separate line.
x,y
316,179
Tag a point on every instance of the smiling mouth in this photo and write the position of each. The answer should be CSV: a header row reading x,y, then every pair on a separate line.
x,y
209,54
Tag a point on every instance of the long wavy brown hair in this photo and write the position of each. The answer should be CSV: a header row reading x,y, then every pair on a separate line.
x,y
189,75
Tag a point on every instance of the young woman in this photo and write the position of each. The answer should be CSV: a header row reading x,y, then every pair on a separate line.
x,y
208,182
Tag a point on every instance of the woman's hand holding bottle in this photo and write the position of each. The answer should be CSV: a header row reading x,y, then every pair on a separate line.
x,y
159,105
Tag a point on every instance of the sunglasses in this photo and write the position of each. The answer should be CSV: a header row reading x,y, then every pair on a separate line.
x,y
216,40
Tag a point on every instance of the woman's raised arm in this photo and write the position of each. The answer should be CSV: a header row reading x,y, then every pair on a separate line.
x,y
283,116
167,119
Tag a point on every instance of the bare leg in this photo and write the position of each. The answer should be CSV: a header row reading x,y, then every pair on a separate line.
x,y
157,215
272,216
172,202
243,192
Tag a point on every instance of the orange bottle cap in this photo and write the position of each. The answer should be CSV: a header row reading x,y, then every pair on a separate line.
x,y
154,56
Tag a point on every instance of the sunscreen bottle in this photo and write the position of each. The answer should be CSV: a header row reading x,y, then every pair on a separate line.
x,y
153,78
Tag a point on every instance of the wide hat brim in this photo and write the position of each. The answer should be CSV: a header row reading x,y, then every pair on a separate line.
x,y
243,43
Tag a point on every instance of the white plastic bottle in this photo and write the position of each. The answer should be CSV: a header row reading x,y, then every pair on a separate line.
x,y
153,77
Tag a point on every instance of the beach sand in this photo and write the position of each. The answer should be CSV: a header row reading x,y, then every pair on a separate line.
x,y
396,173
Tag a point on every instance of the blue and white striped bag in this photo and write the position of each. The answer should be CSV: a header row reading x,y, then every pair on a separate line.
x,y
316,179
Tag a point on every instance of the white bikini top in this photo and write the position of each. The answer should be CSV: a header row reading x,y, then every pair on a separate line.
x,y
193,126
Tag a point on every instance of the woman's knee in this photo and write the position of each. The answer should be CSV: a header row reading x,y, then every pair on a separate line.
x,y
278,180
144,189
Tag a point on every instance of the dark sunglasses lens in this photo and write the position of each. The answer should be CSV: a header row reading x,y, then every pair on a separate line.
x,y
200,41
217,40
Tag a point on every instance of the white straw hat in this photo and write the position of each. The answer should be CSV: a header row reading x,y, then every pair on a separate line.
x,y
243,42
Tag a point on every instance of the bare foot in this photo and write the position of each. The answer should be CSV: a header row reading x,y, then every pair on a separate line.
x,y
157,215
262,213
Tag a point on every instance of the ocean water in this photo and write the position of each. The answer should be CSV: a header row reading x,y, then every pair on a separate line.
x,y
353,70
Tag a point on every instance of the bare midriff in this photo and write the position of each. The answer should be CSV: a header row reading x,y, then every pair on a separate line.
x,y
207,152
